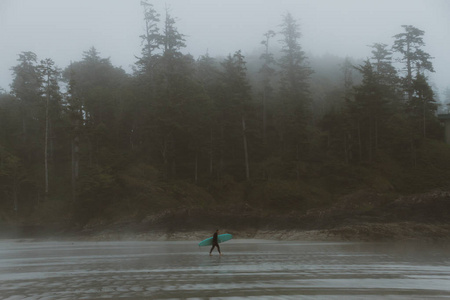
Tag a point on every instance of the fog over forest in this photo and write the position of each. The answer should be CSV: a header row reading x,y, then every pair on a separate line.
x,y
139,111
62,30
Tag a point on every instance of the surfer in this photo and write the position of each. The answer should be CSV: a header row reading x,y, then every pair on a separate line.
x,y
215,243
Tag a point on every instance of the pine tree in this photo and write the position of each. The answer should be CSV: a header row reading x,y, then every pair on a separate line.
x,y
75,114
208,76
236,106
295,102
173,63
174,80
410,45
152,40
26,87
27,81
50,74
422,106
13,173
369,110
382,64
267,72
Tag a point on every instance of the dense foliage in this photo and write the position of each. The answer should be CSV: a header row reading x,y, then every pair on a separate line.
x,y
281,130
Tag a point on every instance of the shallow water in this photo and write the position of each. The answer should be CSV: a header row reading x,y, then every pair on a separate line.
x,y
252,269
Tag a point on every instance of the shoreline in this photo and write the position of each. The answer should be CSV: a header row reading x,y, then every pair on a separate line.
x,y
361,216
363,232
279,235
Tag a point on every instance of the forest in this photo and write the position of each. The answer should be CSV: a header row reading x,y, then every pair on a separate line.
x,y
276,130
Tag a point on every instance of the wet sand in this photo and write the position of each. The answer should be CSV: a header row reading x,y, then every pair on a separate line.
x,y
250,269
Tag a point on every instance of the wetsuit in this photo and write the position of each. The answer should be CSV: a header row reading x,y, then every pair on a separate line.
x,y
215,243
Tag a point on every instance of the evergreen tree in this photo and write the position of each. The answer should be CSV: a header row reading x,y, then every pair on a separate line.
x,y
338,122
207,73
347,70
27,81
98,139
50,75
267,72
98,86
382,65
75,115
174,81
173,61
26,87
294,112
422,106
369,110
173,40
152,40
208,76
410,45
237,101
12,169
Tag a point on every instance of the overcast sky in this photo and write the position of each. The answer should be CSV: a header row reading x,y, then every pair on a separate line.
x,y
63,29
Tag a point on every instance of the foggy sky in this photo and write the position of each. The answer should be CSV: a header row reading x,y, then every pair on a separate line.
x,y
63,29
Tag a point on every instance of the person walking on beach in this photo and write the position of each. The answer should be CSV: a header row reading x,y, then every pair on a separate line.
x,y
215,242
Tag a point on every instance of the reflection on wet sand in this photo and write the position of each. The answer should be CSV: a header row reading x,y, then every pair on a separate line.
x,y
249,269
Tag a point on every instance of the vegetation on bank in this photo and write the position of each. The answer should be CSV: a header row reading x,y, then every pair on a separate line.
x,y
275,133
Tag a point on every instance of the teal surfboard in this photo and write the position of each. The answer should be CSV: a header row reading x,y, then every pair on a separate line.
x,y
220,238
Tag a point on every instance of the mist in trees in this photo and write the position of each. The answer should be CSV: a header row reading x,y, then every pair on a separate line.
x,y
90,135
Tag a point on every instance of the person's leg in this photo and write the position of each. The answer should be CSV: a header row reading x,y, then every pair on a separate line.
x,y
212,248
218,248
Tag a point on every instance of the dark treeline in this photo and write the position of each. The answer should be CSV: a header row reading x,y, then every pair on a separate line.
x,y
74,141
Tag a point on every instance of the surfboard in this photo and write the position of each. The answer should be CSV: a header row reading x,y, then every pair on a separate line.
x,y
220,238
